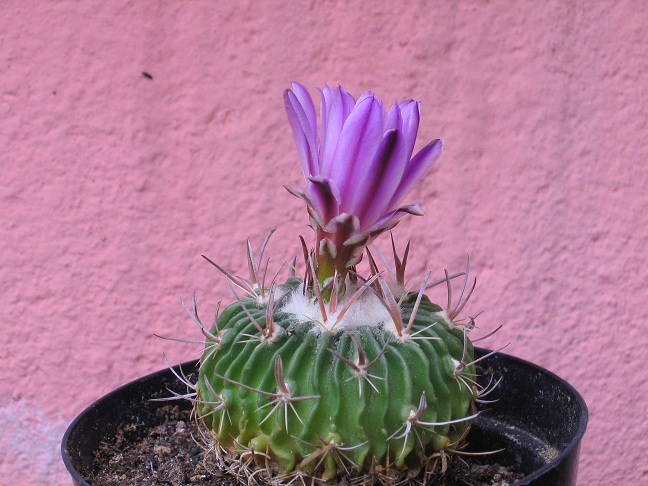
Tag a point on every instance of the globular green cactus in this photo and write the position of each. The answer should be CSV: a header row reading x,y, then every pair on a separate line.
x,y
334,374
355,392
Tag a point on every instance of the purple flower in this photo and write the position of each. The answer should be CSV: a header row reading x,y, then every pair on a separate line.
x,y
360,167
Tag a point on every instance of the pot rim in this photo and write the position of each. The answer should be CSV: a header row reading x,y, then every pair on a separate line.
x,y
582,423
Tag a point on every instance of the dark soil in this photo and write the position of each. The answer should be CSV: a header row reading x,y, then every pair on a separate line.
x,y
169,455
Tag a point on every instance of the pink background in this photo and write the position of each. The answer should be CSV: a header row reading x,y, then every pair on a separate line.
x,y
112,185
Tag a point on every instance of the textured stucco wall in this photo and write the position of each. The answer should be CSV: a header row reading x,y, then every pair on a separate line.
x,y
112,185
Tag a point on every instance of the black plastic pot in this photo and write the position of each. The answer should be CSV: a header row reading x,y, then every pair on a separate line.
x,y
539,419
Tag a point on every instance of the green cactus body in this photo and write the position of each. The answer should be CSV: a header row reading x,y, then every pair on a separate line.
x,y
335,409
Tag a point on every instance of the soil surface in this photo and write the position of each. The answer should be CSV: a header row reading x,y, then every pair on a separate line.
x,y
171,454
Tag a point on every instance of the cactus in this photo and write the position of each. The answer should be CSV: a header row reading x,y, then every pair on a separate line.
x,y
321,399
334,374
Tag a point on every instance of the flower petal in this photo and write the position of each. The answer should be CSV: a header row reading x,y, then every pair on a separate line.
x,y
394,118
316,219
336,105
373,195
306,102
343,224
416,168
324,196
391,219
359,138
410,112
305,134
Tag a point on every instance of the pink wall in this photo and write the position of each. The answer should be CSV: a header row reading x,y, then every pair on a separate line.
x,y
112,185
